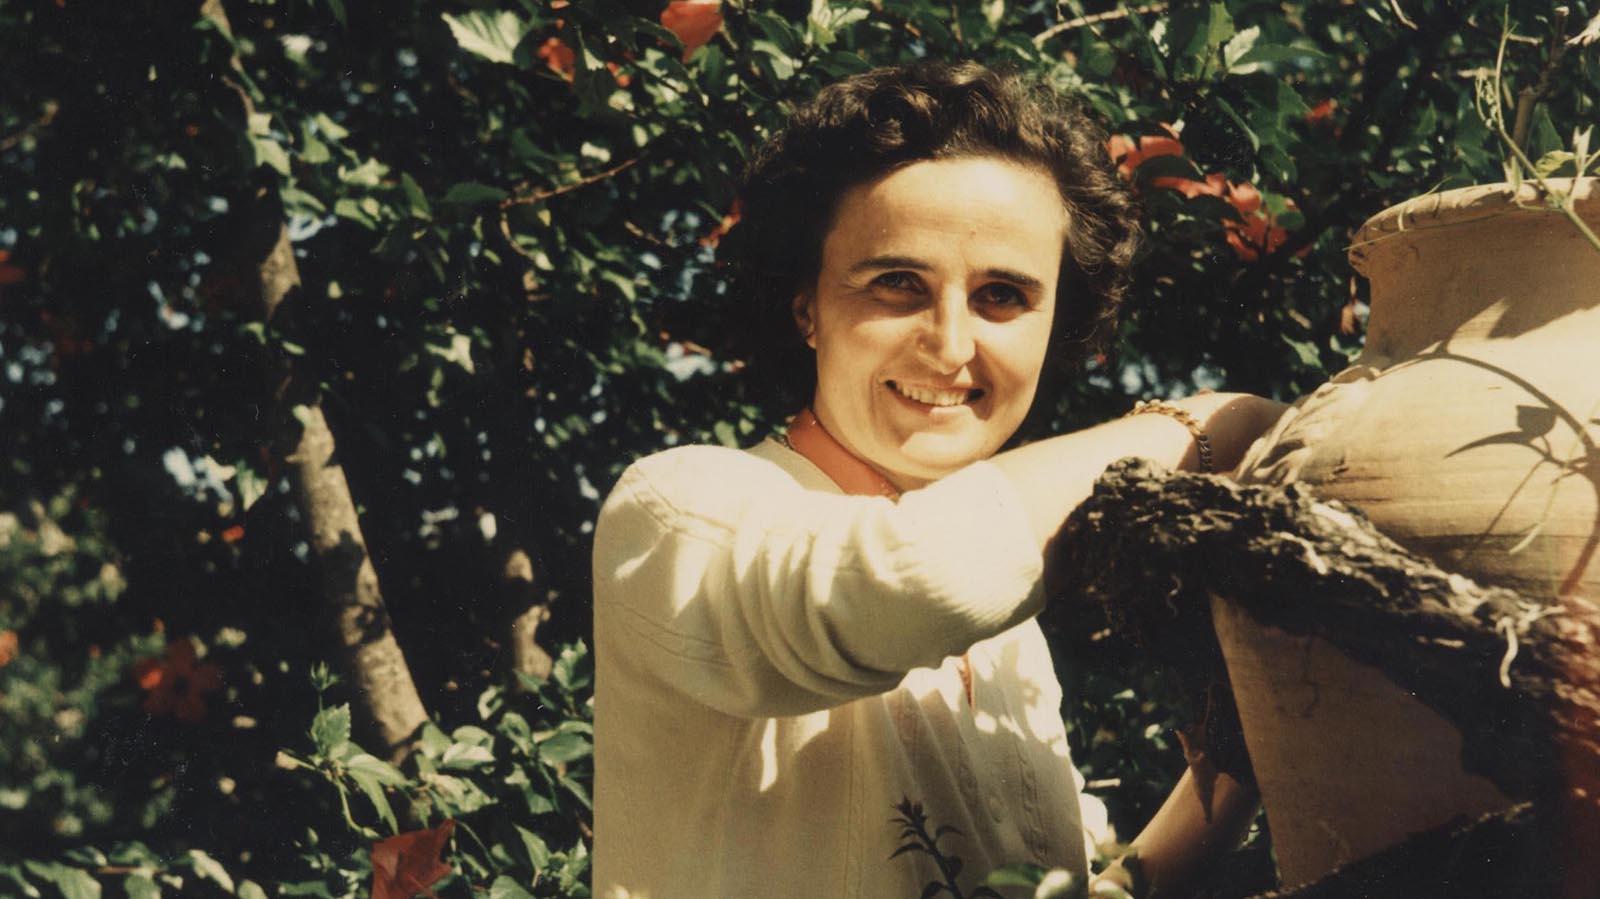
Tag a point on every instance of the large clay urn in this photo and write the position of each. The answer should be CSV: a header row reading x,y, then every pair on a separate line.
x,y
1468,431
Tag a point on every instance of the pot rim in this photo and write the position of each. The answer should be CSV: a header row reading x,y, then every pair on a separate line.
x,y
1395,226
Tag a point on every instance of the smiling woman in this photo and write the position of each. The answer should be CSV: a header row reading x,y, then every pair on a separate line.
x,y
792,639
932,311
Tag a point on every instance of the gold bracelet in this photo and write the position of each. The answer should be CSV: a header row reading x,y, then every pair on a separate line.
x,y
1162,407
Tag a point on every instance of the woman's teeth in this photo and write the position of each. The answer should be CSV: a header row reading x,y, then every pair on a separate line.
x,y
932,397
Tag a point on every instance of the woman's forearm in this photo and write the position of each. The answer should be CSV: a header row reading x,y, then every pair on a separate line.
x,y
1189,832
1054,475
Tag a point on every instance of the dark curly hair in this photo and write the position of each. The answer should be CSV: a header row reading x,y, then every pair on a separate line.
x,y
868,125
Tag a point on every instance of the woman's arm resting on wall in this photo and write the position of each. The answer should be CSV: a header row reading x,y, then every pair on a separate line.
x,y
1053,476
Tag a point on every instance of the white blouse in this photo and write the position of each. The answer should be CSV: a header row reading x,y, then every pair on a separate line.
x,y
778,664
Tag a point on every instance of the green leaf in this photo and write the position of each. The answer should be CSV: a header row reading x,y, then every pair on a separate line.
x,y
1251,60
251,485
351,208
491,35
270,153
1194,34
458,351
574,669
434,741
534,846
376,768
1233,114
1306,351
14,875
140,885
1543,138
1018,875
504,887
515,728
577,791
1552,162
207,868
562,748
776,65
316,888
86,857
1239,45
472,735
249,889
464,757
330,730
470,193
330,129
73,883
370,774
418,200
779,32
994,12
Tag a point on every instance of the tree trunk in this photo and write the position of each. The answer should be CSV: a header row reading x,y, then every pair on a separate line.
x,y
389,709
526,614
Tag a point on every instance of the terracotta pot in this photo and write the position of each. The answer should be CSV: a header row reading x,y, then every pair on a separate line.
x,y
1469,431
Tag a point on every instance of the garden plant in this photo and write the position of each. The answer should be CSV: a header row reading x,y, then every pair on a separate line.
x,y
325,326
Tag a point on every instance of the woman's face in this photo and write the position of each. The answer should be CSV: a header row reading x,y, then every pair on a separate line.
x,y
931,313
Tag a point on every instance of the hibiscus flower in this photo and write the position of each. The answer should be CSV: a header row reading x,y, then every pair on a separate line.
x,y
695,22
176,683
1257,233
559,57
1129,155
407,864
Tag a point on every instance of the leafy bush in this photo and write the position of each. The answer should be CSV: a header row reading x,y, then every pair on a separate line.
x,y
477,240
119,769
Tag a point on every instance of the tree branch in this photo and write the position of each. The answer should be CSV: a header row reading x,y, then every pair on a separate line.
x,y
1042,37
540,196
1530,97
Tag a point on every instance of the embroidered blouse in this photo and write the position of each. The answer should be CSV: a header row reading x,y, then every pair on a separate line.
x,y
778,665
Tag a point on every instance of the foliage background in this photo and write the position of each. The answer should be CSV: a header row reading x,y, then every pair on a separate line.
x,y
502,219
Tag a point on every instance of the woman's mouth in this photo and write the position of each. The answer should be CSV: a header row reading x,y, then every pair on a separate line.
x,y
936,396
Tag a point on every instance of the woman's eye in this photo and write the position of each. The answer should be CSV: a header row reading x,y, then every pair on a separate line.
x,y
1003,295
897,281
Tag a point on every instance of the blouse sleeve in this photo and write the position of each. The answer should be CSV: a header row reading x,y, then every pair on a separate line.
x,y
733,584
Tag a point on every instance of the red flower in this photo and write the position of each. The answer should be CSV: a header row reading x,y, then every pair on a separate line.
x,y
723,227
1245,198
559,57
695,22
233,534
1215,185
8,647
1322,113
9,274
1129,156
408,863
176,684
1258,234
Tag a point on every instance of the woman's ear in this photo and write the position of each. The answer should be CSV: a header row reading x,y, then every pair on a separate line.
x,y
805,317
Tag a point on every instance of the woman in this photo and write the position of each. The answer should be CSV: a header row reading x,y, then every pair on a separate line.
x,y
793,638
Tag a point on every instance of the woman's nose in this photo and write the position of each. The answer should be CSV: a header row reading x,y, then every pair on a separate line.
x,y
947,338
